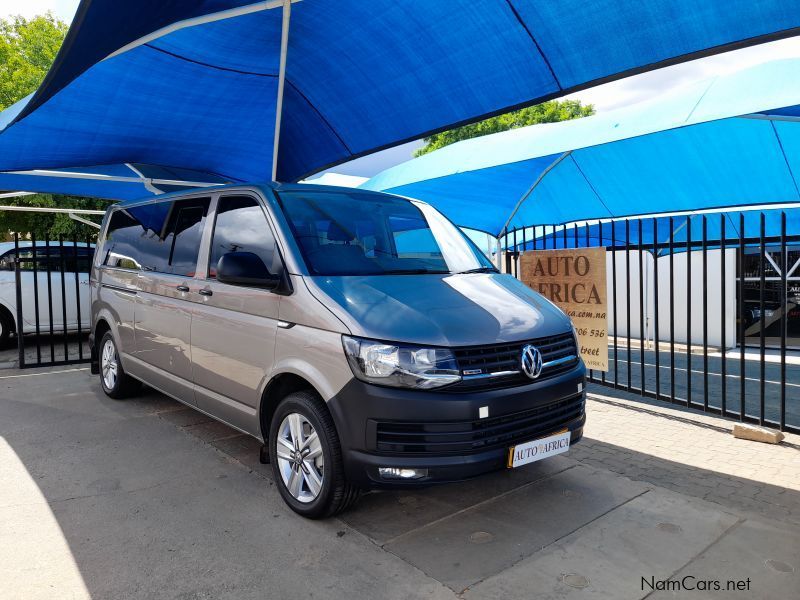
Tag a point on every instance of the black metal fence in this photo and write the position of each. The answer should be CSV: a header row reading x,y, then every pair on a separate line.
x,y
52,300
702,309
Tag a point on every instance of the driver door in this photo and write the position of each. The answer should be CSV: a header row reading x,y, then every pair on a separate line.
x,y
234,327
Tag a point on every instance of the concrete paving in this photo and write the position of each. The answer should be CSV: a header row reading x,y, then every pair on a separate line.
x,y
146,498
44,349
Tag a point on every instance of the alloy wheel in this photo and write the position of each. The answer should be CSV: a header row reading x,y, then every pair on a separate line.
x,y
108,364
300,458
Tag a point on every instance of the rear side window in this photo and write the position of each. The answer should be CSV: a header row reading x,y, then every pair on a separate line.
x,y
162,237
242,227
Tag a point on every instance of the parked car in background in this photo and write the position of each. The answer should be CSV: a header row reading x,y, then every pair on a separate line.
x,y
362,337
41,290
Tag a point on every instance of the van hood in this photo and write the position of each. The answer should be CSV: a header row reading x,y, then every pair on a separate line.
x,y
440,310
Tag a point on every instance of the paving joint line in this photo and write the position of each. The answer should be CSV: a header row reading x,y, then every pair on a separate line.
x,y
557,540
728,530
476,505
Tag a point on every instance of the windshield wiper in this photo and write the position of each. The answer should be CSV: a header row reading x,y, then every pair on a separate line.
x,y
478,270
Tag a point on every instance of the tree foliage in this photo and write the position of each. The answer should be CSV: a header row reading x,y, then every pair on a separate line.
x,y
49,225
27,49
546,112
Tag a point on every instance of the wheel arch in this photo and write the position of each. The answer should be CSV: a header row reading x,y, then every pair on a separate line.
x,y
6,312
279,386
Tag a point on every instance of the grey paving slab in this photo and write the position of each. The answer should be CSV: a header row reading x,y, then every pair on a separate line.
x,y
470,546
85,455
211,430
245,450
653,535
184,416
386,515
127,506
763,555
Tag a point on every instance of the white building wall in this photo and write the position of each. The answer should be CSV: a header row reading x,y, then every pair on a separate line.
x,y
681,305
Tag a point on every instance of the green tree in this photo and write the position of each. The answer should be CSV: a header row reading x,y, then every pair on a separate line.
x,y
49,225
27,49
546,112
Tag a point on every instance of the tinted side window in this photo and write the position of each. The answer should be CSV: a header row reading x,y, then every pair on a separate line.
x,y
7,261
242,227
162,237
185,236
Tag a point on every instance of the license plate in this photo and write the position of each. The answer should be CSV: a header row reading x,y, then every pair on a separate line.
x,y
523,454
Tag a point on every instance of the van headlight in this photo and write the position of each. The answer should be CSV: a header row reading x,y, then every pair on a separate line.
x,y
400,365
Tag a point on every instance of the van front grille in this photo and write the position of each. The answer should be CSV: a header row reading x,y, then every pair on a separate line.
x,y
475,436
498,365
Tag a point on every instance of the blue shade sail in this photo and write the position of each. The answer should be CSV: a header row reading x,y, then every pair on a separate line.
x,y
193,84
686,151
654,234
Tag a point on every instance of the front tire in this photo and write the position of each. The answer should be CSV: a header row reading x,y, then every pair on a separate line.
x,y
306,458
116,383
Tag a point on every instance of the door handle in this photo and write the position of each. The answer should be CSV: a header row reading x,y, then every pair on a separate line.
x,y
182,288
205,292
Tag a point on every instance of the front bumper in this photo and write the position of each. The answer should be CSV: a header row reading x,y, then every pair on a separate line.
x,y
444,432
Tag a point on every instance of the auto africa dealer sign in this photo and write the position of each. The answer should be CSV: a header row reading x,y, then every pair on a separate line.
x,y
574,280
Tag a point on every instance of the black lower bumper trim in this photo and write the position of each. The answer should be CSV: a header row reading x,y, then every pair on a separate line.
x,y
441,469
463,435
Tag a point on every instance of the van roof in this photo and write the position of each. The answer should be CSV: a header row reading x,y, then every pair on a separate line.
x,y
278,187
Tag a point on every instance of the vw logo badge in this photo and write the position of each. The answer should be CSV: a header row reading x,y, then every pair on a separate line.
x,y
531,361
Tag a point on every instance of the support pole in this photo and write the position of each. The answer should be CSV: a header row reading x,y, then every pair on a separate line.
x,y
80,219
47,209
539,179
146,182
287,13
16,194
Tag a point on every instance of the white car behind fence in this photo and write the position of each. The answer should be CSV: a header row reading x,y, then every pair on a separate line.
x,y
56,264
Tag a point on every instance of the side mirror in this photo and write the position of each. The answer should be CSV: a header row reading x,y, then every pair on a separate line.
x,y
245,268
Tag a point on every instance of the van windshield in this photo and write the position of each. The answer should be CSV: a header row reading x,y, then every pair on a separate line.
x,y
357,233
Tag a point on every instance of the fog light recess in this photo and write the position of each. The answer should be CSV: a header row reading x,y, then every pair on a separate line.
x,y
401,473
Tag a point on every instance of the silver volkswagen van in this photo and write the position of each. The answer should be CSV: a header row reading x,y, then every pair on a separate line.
x,y
362,337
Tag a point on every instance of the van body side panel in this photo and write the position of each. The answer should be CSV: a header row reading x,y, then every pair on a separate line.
x,y
115,297
303,308
162,329
233,343
315,355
